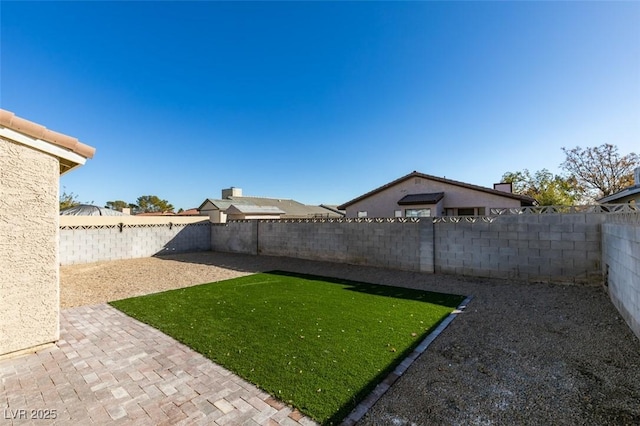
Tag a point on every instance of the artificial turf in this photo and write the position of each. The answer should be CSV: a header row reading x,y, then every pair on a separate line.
x,y
321,344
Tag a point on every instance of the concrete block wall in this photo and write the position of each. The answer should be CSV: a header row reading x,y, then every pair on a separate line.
x,y
407,246
235,237
621,266
84,244
546,247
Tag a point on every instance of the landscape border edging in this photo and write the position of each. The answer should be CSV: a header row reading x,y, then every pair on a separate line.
x,y
382,387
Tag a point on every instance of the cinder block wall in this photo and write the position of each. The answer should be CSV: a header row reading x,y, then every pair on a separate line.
x,y
84,244
546,247
235,237
621,266
407,246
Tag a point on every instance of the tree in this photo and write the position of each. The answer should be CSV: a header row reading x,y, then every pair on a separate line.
x,y
545,187
68,199
600,170
117,205
153,204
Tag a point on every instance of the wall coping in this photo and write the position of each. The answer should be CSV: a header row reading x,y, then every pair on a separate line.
x,y
607,209
74,221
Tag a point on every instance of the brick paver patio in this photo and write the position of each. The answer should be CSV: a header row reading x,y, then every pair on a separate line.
x,y
109,368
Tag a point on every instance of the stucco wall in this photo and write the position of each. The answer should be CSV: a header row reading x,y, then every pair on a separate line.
x,y
621,266
384,203
29,286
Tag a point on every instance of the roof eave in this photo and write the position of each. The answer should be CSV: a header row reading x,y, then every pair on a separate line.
x,y
68,159
522,198
633,190
35,131
203,203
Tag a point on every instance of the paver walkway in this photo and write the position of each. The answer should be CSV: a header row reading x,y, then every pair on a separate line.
x,y
109,368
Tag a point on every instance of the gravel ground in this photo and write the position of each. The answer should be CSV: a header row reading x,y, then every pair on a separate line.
x,y
521,353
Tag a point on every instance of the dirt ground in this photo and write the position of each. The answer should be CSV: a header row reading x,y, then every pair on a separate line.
x,y
521,353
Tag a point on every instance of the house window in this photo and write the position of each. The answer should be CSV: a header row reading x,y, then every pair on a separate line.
x,y
417,212
397,213
362,214
471,211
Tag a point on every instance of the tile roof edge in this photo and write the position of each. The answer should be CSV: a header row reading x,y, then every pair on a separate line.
x,y
10,120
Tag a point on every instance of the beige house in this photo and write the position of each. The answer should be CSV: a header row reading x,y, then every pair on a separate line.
x,y
421,195
31,160
233,205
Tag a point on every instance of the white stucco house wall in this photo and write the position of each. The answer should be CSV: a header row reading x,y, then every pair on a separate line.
x,y
32,158
421,195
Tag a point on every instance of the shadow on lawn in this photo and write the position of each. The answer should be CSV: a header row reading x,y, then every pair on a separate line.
x,y
449,300
443,299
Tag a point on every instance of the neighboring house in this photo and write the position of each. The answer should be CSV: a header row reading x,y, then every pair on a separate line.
x,y
629,195
249,211
157,214
189,212
32,158
334,208
90,210
260,208
421,195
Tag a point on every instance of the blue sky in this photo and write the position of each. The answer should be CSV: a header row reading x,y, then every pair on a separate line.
x,y
319,101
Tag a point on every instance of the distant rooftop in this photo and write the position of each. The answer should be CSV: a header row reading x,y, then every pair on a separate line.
x,y
89,210
253,209
290,208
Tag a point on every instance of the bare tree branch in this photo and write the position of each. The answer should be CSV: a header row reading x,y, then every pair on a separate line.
x,y
600,170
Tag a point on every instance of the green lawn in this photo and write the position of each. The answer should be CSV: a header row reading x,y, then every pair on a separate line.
x,y
320,344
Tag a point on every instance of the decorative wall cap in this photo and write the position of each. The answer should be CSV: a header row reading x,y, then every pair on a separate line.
x,y
609,209
134,225
624,218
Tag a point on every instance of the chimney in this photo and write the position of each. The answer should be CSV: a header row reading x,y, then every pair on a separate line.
x,y
503,187
636,176
231,192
